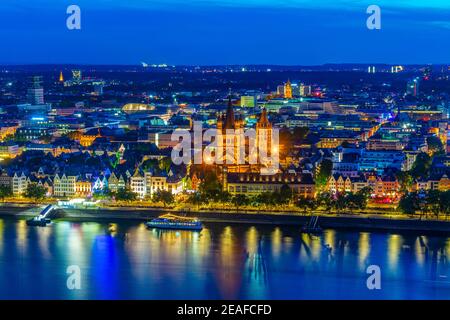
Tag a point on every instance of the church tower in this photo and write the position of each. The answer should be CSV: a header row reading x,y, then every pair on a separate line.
x,y
288,90
264,133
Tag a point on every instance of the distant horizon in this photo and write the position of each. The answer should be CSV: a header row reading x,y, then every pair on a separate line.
x,y
226,65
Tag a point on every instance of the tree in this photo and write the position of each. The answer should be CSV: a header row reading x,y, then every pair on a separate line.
x,y
445,202
340,202
150,164
196,199
35,191
421,166
264,198
224,197
164,164
239,200
300,133
324,173
166,197
405,180
325,199
360,199
210,187
305,204
286,194
435,146
125,194
433,202
409,203
5,191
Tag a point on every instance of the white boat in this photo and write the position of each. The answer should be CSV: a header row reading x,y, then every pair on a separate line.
x,y
171,221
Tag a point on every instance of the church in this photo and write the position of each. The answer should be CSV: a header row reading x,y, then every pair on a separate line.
x,y
229,126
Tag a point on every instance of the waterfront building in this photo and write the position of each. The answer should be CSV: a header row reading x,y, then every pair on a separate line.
x,y
83,187
100,184
162,182
339,184
138,184
19,183
115,183
386,186
64,185
251,184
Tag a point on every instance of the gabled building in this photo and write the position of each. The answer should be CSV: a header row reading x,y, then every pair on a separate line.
x,y
138,184
19,183
115,183
64,185
83,187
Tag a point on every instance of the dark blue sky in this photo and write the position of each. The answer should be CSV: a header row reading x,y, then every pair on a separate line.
x,y
294,32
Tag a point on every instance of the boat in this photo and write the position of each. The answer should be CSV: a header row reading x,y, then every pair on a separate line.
x,y
312,226
171,221
41,220
38,221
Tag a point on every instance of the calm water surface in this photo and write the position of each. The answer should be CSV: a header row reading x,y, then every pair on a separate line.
x,y
223,261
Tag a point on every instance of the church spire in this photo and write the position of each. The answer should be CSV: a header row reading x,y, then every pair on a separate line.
x,y
229,118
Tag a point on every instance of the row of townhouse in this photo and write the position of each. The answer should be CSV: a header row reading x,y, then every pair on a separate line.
x,y
77,186
381,186
385,186
63,185
437,182
145,184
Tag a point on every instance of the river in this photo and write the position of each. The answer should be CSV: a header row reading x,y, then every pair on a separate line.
x,y
223,261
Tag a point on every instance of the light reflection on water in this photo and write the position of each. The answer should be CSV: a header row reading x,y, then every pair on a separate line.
x,y
223,261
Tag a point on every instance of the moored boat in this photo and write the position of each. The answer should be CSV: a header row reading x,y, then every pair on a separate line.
x,y
37,221
171,221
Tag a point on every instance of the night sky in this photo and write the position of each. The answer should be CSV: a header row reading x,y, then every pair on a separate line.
x,y
285,32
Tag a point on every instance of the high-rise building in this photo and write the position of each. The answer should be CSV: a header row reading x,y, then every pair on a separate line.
x,y
280,90
295,90
35,93
288,90
412,87
76,76
371,69
305,90
248,101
